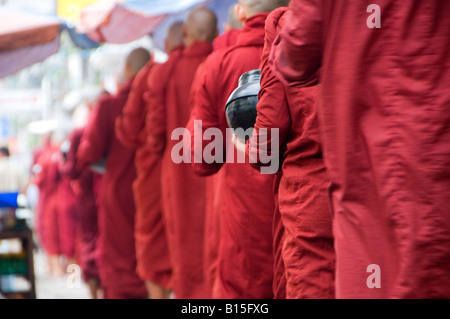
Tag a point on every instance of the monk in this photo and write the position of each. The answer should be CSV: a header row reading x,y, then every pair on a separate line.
x,y
36,179
183,193
212,228
385,128
85,182
152,251
231,32
46,179
57,219
308,251
66,219
117,254
245,258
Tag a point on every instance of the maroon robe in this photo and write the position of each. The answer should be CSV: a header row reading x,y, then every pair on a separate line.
x,y
385,127
183,193
117,254
152,251
245,258
308,247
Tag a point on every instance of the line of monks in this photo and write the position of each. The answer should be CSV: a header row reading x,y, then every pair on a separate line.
x,y
352,189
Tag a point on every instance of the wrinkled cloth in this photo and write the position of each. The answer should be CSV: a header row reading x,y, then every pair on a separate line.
x,y
183,193
384,122
308,247
116,214
152,251
245,259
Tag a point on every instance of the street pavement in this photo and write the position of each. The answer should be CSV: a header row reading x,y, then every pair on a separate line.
x,y
49,287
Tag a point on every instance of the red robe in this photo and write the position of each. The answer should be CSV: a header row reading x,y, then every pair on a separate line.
x,y
245,260
47,182
152,252
66,219
308,248
213,205
385,126
86,207
36,173
226,39
183,193
57,219
117,255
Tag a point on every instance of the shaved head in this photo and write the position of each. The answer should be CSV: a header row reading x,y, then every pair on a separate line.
x,y
135,61
175,37
200,25
253,7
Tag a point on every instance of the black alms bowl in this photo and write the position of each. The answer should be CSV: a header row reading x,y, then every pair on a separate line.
x,y
240,109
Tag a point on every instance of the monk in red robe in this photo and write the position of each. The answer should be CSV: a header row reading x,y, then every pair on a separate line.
x,y
232,28
66,219
47,181
36,179
117,254
245,258
308,250
152,251
86,212
57,219
212,227
183,193
384,123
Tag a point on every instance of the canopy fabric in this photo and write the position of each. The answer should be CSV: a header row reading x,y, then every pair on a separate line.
x,y
16,60
112,22
123,21
27,38
19,29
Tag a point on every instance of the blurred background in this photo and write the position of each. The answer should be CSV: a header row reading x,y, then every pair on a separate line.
x,y
53,55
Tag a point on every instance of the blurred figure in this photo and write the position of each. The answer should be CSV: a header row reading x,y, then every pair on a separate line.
x,y
67,202
57,225
308,248
245,258
117,254
212,217
12,178
231,28
183,193
35,180
385,126
152,251
86,185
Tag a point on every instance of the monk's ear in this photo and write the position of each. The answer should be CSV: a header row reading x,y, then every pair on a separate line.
x,y
127,71
185,33
240,13
166,45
